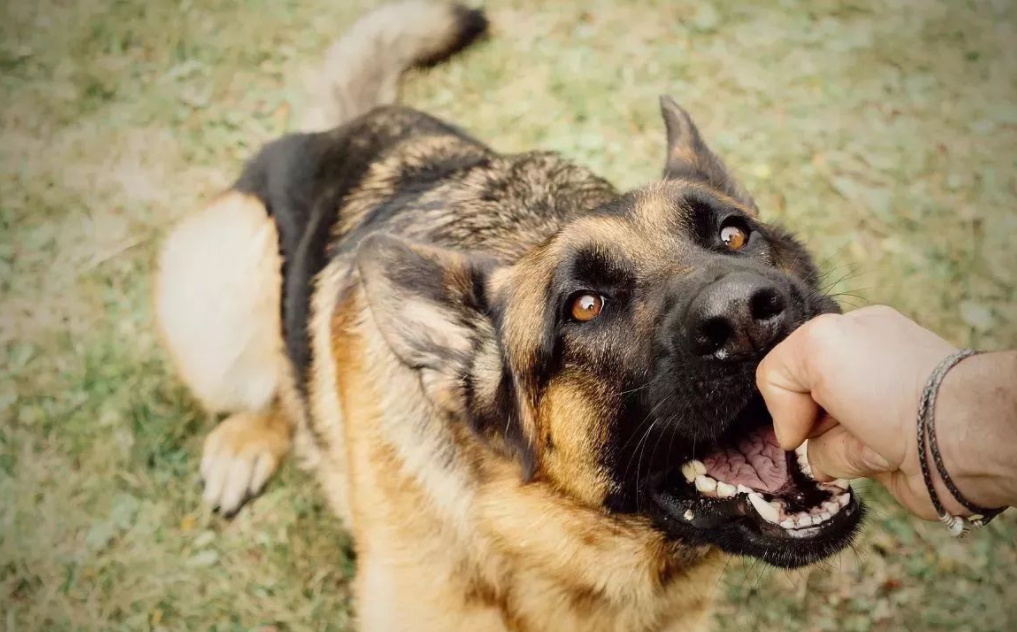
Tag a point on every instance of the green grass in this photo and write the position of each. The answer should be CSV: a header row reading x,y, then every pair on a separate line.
x,y
883,133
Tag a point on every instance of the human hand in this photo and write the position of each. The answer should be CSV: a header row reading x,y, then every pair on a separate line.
x,y
851,385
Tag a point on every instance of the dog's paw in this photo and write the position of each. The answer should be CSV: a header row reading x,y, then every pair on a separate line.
x,y
239,457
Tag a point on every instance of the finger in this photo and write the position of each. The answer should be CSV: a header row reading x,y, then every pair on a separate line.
x,y
783,381
825,423
839,454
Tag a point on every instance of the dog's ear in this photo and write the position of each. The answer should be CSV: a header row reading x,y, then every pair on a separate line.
x,y
428,303
431,306
688,156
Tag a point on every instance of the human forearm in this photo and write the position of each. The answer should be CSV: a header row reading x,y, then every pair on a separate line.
x,y
976,422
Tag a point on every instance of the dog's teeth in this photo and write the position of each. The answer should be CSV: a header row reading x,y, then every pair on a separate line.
x,y
843,500
831,507
689,472
804,521
767,511
692,469
823,517
724,490
802,453
841,483
788,524
803,463
744,490
688,515
706,484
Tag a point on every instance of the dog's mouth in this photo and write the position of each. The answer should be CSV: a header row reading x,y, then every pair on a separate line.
x,y
762,499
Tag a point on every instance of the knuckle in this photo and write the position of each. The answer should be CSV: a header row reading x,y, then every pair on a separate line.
x,y
821,330
878,311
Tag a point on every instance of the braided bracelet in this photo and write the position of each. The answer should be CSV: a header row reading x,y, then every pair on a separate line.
x,y
927,442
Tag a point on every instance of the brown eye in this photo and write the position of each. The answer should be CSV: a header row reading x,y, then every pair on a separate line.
x,y
586,307
734,237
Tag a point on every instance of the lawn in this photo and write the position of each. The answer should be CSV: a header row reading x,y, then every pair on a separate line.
x,y
883,133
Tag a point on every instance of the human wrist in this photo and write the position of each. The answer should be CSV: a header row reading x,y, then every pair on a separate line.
x,y
976,423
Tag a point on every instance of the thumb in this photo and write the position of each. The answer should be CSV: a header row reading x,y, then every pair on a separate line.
x,y
784,382
839,454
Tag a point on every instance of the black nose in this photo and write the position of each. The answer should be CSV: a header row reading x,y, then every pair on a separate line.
x,y
741,315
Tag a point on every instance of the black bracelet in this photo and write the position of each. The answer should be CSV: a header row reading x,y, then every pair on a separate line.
x,y
927,439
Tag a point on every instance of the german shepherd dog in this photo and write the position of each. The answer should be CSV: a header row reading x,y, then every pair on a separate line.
x,y
529,397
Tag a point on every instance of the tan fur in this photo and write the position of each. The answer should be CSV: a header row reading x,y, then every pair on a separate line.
x,y
326,415
575,435
217,304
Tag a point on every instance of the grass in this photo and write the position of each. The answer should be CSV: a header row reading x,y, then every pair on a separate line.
x,y
885,134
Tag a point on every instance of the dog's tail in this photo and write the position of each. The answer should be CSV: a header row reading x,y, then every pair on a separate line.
x,y
363,67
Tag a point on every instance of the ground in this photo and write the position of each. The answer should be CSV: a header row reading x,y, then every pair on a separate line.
x,y
885,134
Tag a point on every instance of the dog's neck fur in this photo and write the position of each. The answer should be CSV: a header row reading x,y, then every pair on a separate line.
x,y
541,561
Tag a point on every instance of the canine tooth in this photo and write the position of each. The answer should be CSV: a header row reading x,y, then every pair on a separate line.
x,y
765,509
841,483
692,469
788,524
744,490
843,499
705,484
831,507
725,490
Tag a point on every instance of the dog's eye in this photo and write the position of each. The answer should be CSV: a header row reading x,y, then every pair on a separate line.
x,y
587,306
734,237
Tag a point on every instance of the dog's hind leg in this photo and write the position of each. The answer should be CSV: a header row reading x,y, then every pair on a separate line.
x,y
217,301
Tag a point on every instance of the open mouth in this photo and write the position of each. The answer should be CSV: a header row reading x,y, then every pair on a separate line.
x,y
768,496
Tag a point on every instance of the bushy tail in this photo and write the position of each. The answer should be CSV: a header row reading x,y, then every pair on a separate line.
x,y
363,67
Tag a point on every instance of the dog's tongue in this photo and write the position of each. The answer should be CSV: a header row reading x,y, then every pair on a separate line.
x,y
756,461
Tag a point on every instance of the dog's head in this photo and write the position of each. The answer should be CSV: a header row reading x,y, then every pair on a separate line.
x,y
616,360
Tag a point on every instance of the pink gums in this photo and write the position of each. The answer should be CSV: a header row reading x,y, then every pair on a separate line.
x,y
757,462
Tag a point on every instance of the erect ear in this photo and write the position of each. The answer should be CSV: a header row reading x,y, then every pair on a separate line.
x,y
688,156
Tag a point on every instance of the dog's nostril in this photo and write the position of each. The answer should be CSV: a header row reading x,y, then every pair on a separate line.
x,y
712,334
766,304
